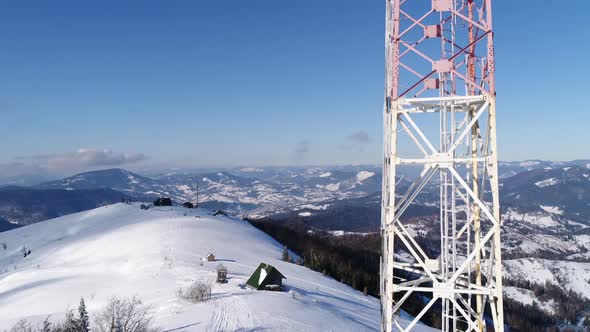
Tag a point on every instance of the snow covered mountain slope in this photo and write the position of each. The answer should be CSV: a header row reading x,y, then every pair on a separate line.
x,y
116,178
573,276
124,251
535,186
564,191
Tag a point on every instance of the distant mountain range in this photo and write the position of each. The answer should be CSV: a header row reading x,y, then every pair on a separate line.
x,y
239,190
564,190
256,192
23,206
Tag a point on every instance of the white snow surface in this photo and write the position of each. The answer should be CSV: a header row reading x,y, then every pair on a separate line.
x,y
552,209
342,233
332,186
546,183
313,207
125,251
570,275
251,169
528,297
529,163
535,219
363,175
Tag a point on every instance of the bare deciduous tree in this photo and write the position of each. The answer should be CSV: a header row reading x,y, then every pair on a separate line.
x,y
198,291
22,326
125,315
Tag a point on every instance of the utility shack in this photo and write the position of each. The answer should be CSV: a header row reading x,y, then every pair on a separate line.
x,y
266,277
210,257
221,274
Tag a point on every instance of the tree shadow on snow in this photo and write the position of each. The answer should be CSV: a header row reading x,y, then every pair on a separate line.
x,y
333,308
181,328
29,286
225,260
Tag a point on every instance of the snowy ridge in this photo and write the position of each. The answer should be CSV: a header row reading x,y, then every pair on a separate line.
x,y
123,250
239,191
572,275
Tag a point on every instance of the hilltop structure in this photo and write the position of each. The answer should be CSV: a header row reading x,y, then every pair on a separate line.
x,y
266,277
440,97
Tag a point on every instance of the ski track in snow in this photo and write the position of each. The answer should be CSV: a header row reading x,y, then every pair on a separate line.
x,y
230,314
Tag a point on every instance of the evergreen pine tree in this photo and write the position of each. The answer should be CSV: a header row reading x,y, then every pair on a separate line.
x,y
299,261
83,320
71,324
285,254
46,325
113,327
118,326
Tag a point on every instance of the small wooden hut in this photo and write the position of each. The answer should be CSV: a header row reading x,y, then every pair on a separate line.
x,y
221,274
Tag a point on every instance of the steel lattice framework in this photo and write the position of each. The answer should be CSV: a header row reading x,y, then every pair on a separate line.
x,y
440,85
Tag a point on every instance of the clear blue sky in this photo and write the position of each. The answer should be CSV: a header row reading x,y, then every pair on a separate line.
x,y
260,82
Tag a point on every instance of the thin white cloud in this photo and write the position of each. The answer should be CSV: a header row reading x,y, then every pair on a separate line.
x,y
360,136
84,158
302,149
22,169
356,141
80,160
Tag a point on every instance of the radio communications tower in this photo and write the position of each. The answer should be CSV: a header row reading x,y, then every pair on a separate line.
x,y
440,124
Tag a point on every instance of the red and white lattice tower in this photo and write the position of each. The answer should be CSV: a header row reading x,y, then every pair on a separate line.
x,y
440,117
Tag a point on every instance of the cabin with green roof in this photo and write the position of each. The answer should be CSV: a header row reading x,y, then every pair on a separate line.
x,y
266,277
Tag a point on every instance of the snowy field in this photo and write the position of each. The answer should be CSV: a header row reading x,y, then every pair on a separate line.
x,y
125,251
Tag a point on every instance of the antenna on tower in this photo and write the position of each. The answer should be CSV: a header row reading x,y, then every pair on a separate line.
x,y
440,84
